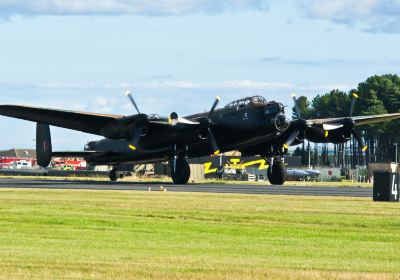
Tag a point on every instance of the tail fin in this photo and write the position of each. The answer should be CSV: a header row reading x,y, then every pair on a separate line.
x,y
43,144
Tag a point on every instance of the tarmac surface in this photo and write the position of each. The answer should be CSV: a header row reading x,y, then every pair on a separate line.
x,y
210,188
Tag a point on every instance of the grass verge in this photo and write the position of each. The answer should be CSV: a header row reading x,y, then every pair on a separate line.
x,y
75,234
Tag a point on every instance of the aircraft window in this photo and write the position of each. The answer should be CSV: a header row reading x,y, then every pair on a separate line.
x,y
238,104
271,110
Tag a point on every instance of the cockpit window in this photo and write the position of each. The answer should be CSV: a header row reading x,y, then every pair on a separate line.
x,y
273,108
245,102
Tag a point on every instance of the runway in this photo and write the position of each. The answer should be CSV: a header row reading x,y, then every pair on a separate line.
x,y
206,188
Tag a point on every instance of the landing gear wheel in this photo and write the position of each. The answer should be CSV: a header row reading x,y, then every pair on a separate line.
x,y
277,173
182,172
113,175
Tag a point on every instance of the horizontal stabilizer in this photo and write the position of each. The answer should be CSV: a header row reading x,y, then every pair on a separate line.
x,y
81,154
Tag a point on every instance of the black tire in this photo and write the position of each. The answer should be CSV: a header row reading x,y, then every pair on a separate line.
x,y
113,176
277,174
182,173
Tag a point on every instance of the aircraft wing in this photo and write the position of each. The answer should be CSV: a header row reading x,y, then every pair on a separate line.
x,y
359,120
85,122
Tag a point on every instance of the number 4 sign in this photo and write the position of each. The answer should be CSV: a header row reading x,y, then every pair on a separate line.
x,y
395,188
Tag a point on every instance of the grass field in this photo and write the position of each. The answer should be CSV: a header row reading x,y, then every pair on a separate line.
x,y
70,234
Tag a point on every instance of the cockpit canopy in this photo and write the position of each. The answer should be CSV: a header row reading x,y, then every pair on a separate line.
x,y
247,102
274,108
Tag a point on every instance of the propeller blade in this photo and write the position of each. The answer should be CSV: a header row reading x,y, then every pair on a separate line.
x,y
134,143
292,137
353,102
217,99
129,95
296,106
360,142
331,126
213,142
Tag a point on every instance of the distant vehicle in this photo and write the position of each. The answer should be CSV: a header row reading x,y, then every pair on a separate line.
x,y
296,175
302,175
69,164
16,163
21,164
313,175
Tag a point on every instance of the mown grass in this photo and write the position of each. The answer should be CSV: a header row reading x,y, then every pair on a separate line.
x,y
78,234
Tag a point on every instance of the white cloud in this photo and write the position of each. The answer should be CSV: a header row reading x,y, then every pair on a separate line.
x,y
102,101
369,15
119,7
243,84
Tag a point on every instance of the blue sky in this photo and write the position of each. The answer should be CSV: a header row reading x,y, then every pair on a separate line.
x,y
176,55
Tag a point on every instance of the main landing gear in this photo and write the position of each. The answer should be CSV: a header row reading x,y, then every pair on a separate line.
x,y
180,171
114,175
276,171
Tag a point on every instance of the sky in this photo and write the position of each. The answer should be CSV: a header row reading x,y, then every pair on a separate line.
x,y
177,55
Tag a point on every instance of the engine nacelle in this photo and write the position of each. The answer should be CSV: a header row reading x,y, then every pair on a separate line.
x,y
336,136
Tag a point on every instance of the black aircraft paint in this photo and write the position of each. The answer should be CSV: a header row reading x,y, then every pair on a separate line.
x,y
250,125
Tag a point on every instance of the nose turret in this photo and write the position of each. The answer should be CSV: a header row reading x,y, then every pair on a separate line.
x,y
280,122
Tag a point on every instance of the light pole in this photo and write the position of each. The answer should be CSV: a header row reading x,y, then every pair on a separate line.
x,y
309,155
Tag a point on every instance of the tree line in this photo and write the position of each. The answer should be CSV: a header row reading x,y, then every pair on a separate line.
x,y
379,94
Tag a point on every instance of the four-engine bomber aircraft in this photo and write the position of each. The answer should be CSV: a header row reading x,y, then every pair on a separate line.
x,y
250,125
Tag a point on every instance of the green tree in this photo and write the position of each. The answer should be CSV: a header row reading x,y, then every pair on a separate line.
x,y
336,103
305,108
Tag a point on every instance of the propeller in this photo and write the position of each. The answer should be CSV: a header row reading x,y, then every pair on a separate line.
x,y
215,104
292,137
298,125
354,97
347,124
140,122
205,125
355,133
129,95
134,142
296,106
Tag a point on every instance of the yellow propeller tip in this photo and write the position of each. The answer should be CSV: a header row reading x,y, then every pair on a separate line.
x,y
217,152
326,134
218,98
355,95
286,146
365,148
132,147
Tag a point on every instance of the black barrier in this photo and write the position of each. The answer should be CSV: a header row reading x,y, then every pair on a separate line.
x,y
386,186
52,172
